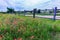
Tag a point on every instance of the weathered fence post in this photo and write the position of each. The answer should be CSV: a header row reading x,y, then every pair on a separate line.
x,y
34,11
24,12
55,10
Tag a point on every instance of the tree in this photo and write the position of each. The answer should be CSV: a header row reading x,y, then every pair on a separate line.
x,y
39,11
10,10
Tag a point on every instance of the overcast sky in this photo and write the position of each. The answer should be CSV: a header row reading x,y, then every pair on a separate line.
x,y
28,4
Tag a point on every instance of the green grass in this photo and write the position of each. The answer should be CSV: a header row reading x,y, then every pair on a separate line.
x,y
27,28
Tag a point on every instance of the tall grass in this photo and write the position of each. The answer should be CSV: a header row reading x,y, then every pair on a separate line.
x,y
15,27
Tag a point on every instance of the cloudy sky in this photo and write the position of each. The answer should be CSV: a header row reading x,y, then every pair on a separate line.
x,y
28,4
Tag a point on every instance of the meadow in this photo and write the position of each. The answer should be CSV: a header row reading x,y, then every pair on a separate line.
x,y
17,27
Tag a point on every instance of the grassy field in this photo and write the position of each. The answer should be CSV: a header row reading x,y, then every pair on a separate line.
x,y
50,14
16,27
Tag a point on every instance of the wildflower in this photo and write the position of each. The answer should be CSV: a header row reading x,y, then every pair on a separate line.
x,y
0,37
19,38
18,30
15,22
31,37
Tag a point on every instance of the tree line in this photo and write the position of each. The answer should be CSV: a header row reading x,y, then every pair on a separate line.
x,y
11,10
